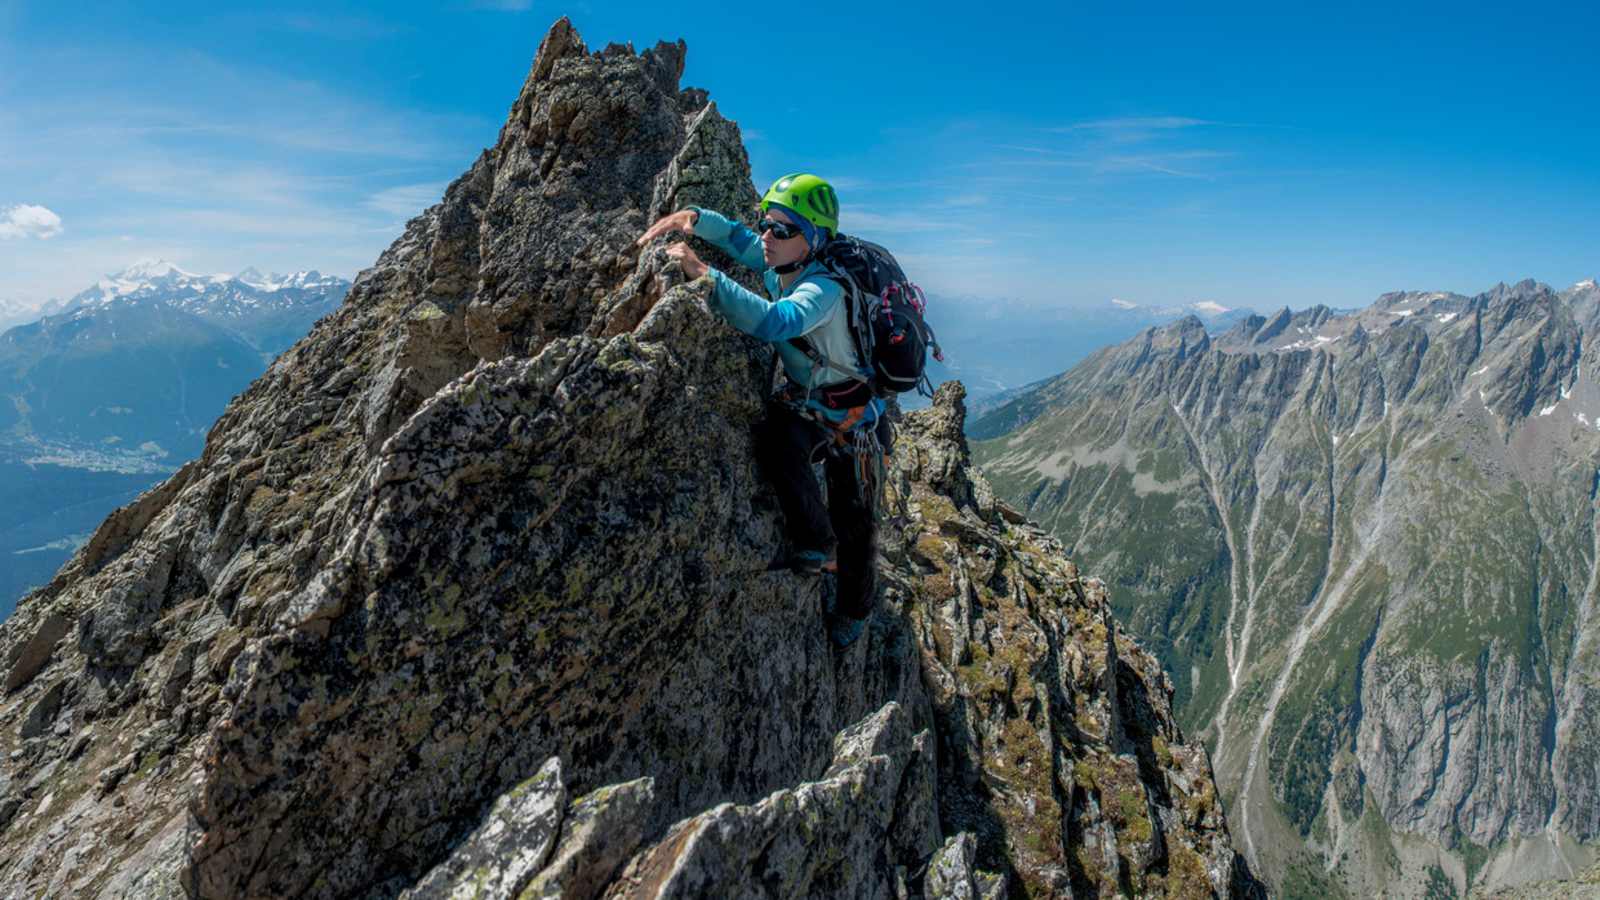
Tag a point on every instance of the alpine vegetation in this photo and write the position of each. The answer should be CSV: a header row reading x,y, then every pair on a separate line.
x,y
1366,545
467,596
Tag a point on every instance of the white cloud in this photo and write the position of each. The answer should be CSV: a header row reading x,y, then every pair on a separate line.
x,y
1025,148
866,220
337,26
407,200
1163,163
1175,164
850,183
1135,124
28,221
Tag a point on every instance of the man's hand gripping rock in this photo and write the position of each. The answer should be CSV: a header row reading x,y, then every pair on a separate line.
x,y
681,222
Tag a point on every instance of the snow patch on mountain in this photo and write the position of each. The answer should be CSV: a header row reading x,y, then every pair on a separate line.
x,y
275,282
147,269
1311,343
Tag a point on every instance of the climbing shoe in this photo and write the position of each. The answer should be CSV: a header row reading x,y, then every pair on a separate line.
x,y
807,562
842,631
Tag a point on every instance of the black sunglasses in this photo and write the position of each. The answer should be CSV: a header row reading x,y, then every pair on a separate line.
x,y
780,230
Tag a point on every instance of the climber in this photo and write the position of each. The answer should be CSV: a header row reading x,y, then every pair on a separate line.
x,y
818,410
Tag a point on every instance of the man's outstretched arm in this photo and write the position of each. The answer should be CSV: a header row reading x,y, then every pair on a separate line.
x,y
731,237
803,309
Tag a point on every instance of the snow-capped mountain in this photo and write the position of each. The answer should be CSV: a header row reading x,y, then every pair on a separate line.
x,y
151,355
217,297
268,311
144,275
274,283
1322,328
1207,310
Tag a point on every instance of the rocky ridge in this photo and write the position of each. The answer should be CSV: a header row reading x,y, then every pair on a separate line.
x,y
465,597
1365,545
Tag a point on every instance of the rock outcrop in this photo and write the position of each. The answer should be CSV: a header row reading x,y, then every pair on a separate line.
x,y
466,597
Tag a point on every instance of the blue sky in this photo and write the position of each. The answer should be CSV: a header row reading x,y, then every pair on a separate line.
x,y
1051,154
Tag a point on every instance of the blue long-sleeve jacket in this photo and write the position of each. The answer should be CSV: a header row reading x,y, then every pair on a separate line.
x,y
814,307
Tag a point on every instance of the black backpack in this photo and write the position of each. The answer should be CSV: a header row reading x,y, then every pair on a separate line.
x,y
887,317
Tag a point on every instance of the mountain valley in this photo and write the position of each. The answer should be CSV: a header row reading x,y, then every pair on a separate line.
x,y
1365,545
116,390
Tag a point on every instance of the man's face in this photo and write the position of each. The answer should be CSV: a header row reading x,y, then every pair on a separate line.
x,y
779,252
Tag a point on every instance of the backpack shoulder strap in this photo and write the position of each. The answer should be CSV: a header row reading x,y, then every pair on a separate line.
x,y
816,357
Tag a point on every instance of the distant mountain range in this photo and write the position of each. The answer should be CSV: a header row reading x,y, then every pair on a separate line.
x,y
144,360
1366,545
267,311
997,347
118,388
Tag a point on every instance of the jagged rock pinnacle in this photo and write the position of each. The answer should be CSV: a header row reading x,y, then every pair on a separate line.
x,y
487,547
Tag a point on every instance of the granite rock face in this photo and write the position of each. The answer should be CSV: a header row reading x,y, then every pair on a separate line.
x,y
466,597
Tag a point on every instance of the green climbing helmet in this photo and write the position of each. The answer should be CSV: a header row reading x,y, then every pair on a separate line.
x,y
807,195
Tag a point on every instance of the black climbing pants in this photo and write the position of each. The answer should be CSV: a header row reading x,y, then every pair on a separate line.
x,y
787,444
